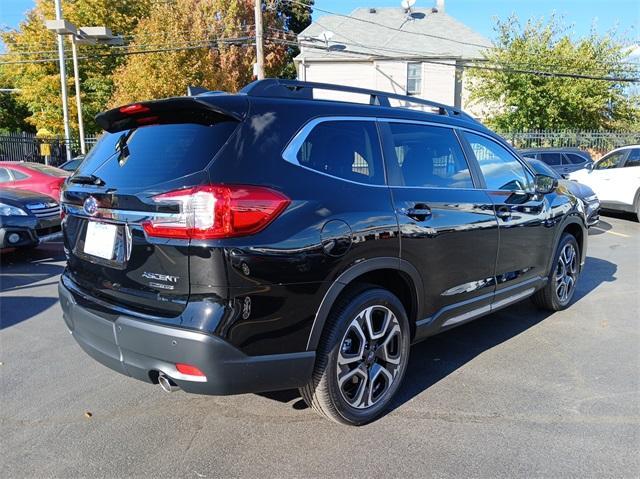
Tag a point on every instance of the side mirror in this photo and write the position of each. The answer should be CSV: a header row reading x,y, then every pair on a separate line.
x,y
545,184
589,166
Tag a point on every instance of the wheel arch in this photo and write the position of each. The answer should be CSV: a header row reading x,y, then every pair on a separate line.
x,y
577,228
397,275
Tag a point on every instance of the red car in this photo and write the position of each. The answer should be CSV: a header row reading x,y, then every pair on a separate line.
x,y
32,176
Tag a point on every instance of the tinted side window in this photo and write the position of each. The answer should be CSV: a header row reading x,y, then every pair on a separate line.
x,y
427,156
575,159
4,176
551,158
612,160
633,159
501,170
345,149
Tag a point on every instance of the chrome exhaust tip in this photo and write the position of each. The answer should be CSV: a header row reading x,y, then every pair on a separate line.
x,y
167,384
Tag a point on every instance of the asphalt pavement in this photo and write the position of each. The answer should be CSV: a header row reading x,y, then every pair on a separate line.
x,y
519,393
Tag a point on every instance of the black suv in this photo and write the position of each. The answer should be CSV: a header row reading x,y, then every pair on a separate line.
x,y
232,243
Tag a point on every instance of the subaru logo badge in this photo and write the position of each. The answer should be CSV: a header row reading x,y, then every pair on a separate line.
x,y
90,206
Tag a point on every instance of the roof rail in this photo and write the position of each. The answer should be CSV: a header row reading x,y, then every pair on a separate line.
x,y
303,90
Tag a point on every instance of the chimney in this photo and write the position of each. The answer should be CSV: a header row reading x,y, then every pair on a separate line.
x,y
440,6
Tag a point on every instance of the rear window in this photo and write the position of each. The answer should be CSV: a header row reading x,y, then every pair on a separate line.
x,y
149,155
48,170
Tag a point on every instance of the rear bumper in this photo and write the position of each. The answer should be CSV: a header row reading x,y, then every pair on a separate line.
x,y
142,349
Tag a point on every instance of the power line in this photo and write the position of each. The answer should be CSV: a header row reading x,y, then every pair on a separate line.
x,y
425,54
466,64
363,20
183,33
371,22
242,41
496,67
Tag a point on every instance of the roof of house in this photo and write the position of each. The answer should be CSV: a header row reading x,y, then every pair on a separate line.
x,y
390,32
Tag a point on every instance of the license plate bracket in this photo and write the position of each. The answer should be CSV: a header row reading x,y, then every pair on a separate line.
x,y
100,239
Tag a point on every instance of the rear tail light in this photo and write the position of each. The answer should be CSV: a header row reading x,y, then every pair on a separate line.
x,y
216,211
134,109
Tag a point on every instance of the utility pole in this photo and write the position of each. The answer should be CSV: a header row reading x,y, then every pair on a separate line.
x,y
63,85
259,70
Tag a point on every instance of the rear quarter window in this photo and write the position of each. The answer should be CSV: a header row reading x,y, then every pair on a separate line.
x,y
345,149
155,154
575,159
4,175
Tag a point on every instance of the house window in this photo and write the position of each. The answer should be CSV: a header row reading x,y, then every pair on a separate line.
x,y
414,78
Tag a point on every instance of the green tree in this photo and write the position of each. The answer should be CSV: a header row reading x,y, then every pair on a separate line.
x,y
527,101
39,82
209,43
296,17
13,114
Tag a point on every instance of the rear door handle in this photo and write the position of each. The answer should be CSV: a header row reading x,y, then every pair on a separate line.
x,y
420,212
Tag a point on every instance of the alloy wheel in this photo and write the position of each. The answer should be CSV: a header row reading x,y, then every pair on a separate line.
x,y
370,356
566,272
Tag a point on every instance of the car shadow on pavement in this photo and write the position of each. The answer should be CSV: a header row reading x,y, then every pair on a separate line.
x,y
438,356
21,270
601,228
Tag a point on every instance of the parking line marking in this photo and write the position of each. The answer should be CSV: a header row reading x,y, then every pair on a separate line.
x,y
612,232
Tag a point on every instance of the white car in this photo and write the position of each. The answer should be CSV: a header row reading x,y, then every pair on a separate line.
x,y
615,178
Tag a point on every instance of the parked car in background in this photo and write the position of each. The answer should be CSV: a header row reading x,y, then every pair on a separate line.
x,y
72,164
231,243
27,218
586,194
563,160
616,179
33,177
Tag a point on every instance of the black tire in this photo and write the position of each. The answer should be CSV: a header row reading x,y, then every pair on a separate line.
x,y
335,398
550,297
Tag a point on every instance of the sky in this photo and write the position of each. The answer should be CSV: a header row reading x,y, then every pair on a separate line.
x,y
580,15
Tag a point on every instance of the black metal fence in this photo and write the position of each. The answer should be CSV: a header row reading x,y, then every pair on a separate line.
x,y
28,147
597,142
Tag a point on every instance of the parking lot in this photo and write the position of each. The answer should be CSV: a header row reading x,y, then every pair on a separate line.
x,y
519,392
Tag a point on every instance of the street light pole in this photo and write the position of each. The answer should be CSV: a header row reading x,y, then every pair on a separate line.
x,y
63,85
76,75
259,41
90,35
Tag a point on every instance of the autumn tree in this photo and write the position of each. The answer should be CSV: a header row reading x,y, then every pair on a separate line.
x,y
518,100
207,43
31,66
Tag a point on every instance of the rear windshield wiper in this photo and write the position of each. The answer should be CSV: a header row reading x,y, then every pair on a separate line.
x,y
87,180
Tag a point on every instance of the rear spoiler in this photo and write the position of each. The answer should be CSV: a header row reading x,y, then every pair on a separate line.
x,y
170,110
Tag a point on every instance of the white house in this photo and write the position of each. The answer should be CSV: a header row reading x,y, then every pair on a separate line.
x,y
416,52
